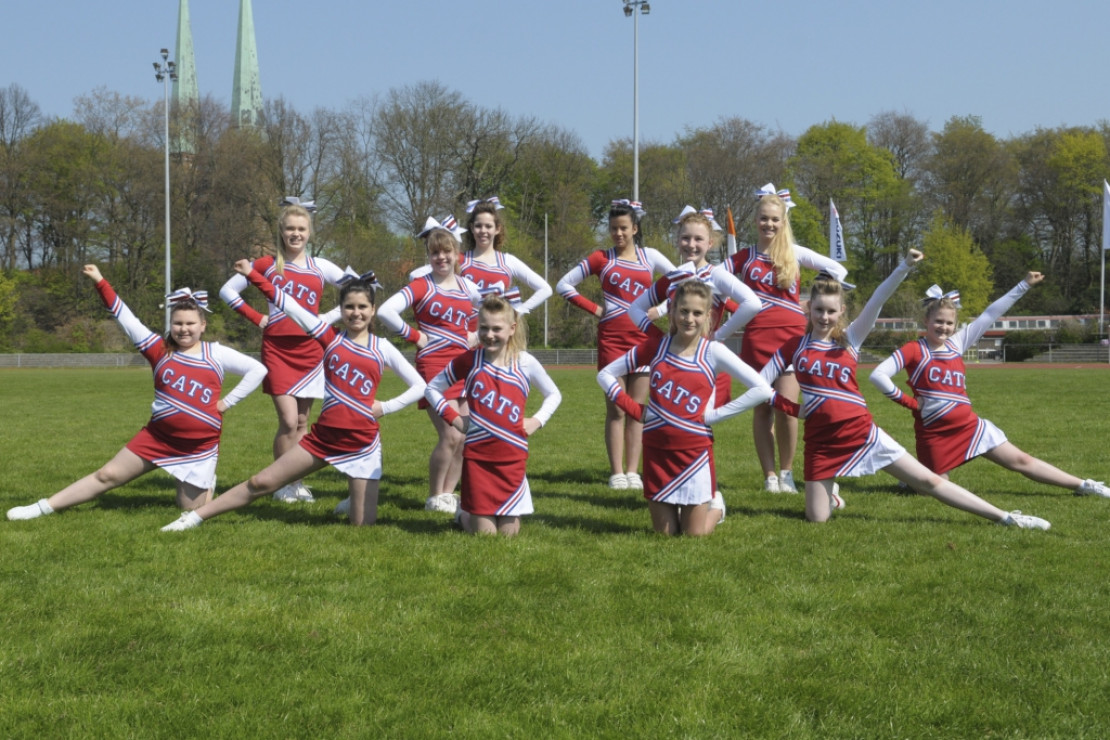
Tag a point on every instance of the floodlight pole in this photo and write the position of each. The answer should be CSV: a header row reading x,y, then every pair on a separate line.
x,y
630,8
163,73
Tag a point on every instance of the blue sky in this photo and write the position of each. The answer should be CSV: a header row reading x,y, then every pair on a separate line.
x,y
787,65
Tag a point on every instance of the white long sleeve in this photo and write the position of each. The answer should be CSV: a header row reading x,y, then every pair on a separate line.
x,y
541,291
237,363
758,390
396,362
539,378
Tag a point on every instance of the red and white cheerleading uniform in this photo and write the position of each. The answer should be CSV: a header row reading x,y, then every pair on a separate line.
x,y
841,439
346,432
728,294
443,314
506,270
622,281
496,450
781,317
292,358
183,434
947,431
678,441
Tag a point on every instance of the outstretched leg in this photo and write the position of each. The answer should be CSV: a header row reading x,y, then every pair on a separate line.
x,y
1011,458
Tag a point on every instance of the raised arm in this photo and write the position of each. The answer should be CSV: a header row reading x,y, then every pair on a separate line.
x,y
865,322
994,312
141,336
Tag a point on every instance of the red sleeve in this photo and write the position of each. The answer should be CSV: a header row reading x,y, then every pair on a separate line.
x,y
244,309
596,262
784,404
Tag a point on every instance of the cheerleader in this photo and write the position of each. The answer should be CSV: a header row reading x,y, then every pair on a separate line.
x,y
484,262
625,272
497,377
442,302
771,269
295,377
346,433
697,233
183,434
947,431
679,475
841,438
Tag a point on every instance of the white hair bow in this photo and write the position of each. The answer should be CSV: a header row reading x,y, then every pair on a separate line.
x,y
707,212
769,189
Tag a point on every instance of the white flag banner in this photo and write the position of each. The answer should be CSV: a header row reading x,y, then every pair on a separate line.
x,y
836,235
1105,215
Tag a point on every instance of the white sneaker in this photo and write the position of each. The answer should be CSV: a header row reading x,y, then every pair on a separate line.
x,y
771,485
30,511
1086,488
447,503
634,481
304,495
619,482
786,482
286,494
343,508
718,503
188,520
1024,521
835,501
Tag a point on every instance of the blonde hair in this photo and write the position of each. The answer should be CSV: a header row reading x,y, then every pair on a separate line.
x,y
781,251
287,212
697,289
715,238
518,342
933,306
441,240
823,286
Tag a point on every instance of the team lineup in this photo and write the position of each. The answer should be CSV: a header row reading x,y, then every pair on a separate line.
x,y
663,390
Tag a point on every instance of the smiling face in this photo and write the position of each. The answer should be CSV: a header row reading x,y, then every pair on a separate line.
x,y
443,253
186,327
495,329
824,314
295,233
690,316
940,324
484,229
694,242
358,311
622,231
769,221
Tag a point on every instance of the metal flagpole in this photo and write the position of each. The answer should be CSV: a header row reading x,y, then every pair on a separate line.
x,y
545,279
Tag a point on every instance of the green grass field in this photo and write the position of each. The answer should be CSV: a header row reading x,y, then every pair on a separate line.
x,y
900,618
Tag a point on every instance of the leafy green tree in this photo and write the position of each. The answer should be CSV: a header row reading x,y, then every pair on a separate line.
x,y
954,262
835,160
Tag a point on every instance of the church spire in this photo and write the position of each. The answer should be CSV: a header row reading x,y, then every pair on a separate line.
x,y
246,93
185,97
